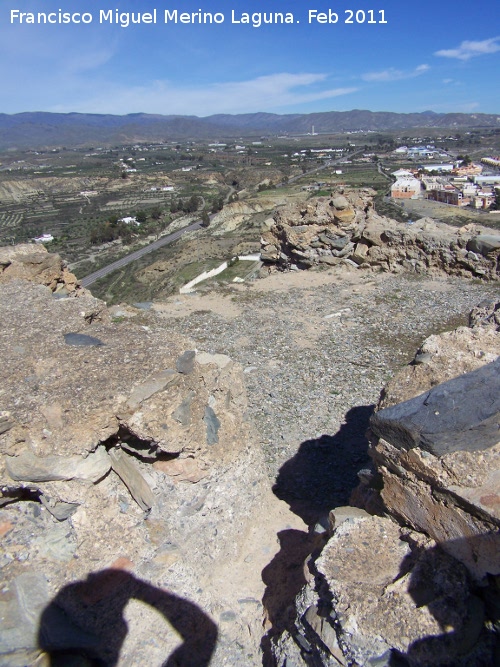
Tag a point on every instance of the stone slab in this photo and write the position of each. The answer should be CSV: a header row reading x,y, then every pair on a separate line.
x,y
461,414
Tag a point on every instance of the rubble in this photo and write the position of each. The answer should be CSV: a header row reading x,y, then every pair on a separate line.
x,y
346,227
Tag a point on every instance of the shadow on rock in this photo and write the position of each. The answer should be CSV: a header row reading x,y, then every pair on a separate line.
x,y
442,584
401,600
84,623
284,577
323,473
318,478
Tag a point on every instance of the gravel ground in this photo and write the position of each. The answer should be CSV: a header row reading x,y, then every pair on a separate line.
x,y
317,348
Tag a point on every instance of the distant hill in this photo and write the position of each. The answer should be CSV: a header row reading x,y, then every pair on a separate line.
x,y
37,129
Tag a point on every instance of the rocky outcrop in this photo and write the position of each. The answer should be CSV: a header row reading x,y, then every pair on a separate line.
x,y
414,580
126,463
35,264
345,229
439,452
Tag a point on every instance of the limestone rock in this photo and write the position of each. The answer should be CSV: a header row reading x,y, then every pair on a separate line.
x,y
486,314
345,215
484,244
360,253
182,470
463,518
447,356
27,467
340,202
126,469
35,264
186,505
347,226
439,452
411,579
81,340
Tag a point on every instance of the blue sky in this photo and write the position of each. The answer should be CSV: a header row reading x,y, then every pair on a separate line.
x,y
430,55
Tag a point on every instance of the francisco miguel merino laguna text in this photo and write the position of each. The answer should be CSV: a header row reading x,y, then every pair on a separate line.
x,y
256,19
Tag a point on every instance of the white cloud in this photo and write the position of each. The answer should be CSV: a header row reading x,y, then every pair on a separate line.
x,y
469,49
393,74
263,93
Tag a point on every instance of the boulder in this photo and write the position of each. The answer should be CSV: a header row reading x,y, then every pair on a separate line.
x,y
459,415
484,244
395,594
360,253
340,203
33,263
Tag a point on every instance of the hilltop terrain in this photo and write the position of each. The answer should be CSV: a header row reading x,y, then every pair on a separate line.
x,y
174,464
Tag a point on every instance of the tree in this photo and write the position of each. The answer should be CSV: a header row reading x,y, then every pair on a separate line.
x,y
205,218
156,212
192,204
141,216
218,205
464,159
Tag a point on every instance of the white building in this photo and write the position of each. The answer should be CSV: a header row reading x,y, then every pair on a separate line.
x,y
44,238
487,179
439,167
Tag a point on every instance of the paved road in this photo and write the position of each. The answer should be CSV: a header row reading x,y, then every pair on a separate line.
x,y
164,240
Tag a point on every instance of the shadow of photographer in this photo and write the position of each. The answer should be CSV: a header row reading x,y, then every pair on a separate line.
x,y
85,624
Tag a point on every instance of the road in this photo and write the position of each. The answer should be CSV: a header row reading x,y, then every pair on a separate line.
x,y
120,263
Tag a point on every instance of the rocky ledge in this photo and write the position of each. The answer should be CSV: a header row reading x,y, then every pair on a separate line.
x,y
129,480
34,263
410,575
345,230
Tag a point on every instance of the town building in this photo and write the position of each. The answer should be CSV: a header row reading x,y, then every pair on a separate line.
x,y
492,180
469,170
438,167
406,188
402,173
449,195
483,199
129,220
492,161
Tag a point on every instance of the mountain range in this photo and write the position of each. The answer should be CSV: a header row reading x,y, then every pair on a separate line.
x,y
44,129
